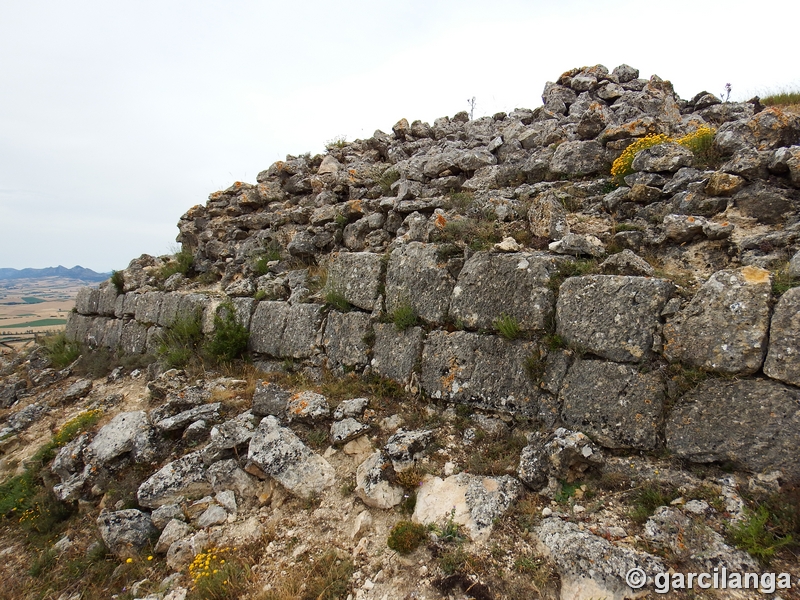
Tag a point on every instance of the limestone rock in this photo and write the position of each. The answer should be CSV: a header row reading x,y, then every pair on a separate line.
x,y
350,408
346,430
280,454
415,278
78,390
356,275
307,406
182,477
612,316
396,353
373,487
548,217
783,356
491,285
345,338
404,448
472,501
668,157
576,244
173,531
483,370
694,542
126,432
184,418
283,330
562,455
615,404
270,399
627,263
724,328
590,566
579,158
125,532
752,424
166,513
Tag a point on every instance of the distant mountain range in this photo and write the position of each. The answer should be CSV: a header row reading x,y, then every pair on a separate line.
x,y
76,272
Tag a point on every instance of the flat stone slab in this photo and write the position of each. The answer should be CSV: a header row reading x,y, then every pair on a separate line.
x,y
614,404
613,316
127,431
185,476
483,370
753,424
280,454
491,285
725,326
125,532
187,417
356,276
783,356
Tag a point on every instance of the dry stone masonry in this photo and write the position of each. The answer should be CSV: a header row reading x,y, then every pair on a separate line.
x,y
493,263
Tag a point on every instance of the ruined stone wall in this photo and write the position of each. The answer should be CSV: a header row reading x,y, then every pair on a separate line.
x,y
465,223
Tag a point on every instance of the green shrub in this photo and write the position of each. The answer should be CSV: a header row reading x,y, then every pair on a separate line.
x,y
387,178
334,299
404,316
181,262
407,536
781,98
648,498
754,535
61,352
181,343
118,281
271,253
535,366
507,326
230,338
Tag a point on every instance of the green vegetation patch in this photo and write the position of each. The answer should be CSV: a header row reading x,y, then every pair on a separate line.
x,y
37,323
32,300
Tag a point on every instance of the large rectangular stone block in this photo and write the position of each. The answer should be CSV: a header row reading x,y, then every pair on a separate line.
x,y
396,354
148,307
491,285
783,357
107,299
612,316
357,276
285,331
418,278
77,327
483,370
345,339
168,314
87,300
134,338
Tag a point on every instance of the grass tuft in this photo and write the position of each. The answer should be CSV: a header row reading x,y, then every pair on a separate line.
x,y
404,317
406,537
507,326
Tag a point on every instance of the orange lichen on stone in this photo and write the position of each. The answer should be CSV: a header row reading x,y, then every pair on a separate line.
x,y
755,275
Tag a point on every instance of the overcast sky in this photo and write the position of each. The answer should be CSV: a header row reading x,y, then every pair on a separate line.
x,y
117,117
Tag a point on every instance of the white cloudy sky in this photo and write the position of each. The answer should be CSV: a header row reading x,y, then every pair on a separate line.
x,y
116,117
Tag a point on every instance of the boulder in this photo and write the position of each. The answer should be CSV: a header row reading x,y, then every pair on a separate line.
x,y
751,424
612,316
576,244
279,453
666,157
346,430
270,399
593,567
185,476
173,531
125,532
724,328
472,501
372,484
561,455
548,217
308,406
126,432
285,330
404,448
579,158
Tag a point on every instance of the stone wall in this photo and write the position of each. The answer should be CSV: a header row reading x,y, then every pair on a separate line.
x,y
593,353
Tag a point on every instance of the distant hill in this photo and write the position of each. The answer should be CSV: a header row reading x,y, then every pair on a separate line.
x,y
76,272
